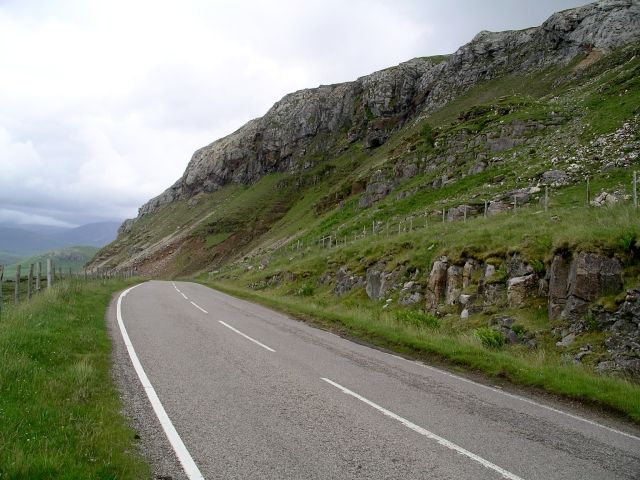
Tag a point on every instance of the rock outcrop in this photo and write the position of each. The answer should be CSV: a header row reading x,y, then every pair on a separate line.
x,y
370,108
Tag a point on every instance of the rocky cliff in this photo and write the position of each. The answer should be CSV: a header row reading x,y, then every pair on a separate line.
x,y
370,109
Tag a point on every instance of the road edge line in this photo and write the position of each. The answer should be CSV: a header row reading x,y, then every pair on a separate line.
x,y
189,466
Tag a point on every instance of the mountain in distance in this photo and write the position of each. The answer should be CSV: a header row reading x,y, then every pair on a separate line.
x,y
66,258
23,240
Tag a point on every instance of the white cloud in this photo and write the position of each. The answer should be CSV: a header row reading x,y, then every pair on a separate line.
x,y
102,103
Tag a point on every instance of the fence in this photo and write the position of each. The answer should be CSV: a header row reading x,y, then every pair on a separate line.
x,y
410,223
24,286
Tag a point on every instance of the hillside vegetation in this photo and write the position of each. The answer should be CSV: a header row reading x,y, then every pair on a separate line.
x,y
494,227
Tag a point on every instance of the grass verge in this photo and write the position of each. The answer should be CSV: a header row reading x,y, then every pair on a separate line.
x,y
59,410
535,370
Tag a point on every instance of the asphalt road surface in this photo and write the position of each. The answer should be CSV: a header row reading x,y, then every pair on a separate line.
x,y
245,392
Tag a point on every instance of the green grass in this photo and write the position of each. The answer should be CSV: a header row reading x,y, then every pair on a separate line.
x,y
59,411
537,369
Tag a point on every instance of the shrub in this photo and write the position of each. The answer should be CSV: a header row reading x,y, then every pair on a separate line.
x,y
305,290
418,318
489,337
627,241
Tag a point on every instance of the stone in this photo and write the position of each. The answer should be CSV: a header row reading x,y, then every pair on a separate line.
x,y
493,294
377,283
555,177
566,340
590,277
454,284
496,207
516,267
410,299
469,270
477,168
437,283
558,282
521,289
465,299
345,281
606,366
456,214
605,199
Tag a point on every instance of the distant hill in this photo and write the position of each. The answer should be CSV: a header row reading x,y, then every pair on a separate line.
x,y
23,240
94,234
65,258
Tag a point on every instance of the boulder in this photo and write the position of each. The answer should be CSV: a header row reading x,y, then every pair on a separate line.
x,y
377,282
555,177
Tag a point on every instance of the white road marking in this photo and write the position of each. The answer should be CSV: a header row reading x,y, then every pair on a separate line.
x,y
522,399
422,431
199,307
185,297
247,336
189,466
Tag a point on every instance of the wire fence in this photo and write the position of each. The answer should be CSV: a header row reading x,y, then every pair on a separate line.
x,y
346,235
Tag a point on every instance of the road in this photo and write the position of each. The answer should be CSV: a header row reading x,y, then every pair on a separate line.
x,y
251,393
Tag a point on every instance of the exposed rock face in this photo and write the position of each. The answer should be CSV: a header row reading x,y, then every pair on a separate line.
x,y
573,285
345,281
371,107
624,343
558,280
437,283
377,282
521,289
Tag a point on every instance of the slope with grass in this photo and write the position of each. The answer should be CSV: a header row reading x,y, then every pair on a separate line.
x,y
59,408
528,163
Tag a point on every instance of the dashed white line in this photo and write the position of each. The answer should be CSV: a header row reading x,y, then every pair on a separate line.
x,y
247,336
185,297
422,431
199,307
189,466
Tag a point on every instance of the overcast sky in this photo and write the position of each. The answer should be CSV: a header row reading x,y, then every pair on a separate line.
x,y
103,103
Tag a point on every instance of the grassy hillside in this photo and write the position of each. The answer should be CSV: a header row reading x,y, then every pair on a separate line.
x,y
438,162
73,258
534,152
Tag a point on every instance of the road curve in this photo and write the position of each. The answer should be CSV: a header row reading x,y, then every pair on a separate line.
x,y
252,393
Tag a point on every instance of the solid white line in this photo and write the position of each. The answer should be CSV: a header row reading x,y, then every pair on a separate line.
x,y
247,336
189,466
526,400
199,307
185,297
422,431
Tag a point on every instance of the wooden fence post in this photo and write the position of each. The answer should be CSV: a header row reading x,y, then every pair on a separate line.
x,y
49,273
38,275
1,279
30,280
546,198
17,285
588,193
